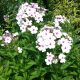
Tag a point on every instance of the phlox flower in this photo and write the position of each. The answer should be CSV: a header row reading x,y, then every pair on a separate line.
x,y
35,5
49,58
23,28
60,18
19,49
57,33
62,58
66,49
33,29
7,40
7,37
56,23
41,48
63,41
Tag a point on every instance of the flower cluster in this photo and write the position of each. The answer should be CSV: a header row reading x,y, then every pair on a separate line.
x,y
45,40
7,37
50,58
28,12
50,36
65,42
60,19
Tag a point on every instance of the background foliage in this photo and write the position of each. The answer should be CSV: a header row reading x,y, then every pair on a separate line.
x,y
30,65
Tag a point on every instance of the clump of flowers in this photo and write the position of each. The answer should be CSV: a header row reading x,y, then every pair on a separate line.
x,y
7,37
51,36
48,38
26,14
45,39
50,58
65,42
60,19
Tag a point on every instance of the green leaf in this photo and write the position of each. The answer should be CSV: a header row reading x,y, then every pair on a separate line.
x,y
68,78
1,78
30,64
30,48
18,77
43,71
1,69
35,74
73,73
66,65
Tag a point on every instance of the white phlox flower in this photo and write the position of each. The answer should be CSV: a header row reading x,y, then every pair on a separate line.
x,y
57,33
19,50
50,58
63,41
60,18
7,37
62,58
7,40
66,49
33,29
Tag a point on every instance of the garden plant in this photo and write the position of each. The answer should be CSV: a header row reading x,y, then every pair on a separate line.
x,y
39,40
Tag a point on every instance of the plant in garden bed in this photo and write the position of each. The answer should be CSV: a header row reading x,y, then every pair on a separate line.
x,y
38,51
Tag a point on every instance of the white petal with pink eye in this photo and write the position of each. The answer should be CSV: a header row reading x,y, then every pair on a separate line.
x,y
61,56
62,60
66,49
57,33
49,58
33,29
7,39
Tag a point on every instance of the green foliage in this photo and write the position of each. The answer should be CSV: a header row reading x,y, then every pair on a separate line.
x,y
30,65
